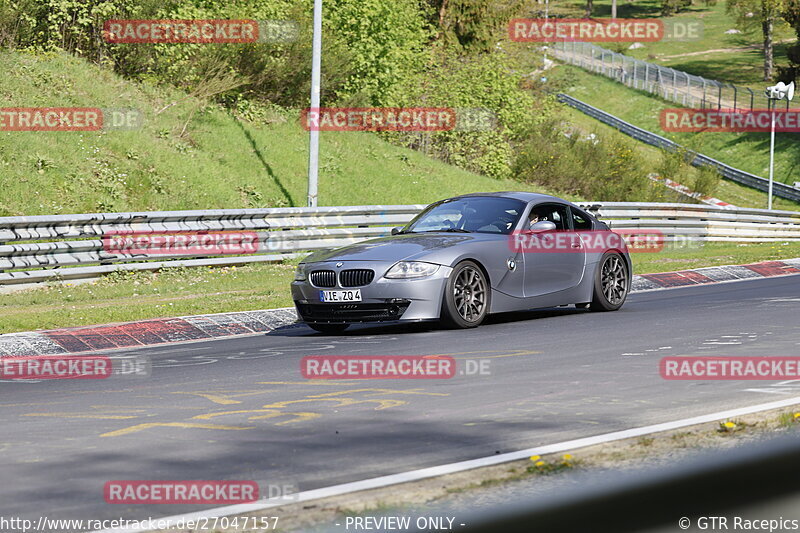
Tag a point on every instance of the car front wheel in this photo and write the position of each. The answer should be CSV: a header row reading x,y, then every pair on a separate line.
x,y
467,296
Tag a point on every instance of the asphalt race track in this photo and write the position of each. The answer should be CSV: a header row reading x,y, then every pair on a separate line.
x,y
240,409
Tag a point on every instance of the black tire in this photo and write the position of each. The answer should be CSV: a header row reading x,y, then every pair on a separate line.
x,y
329,329
467,296
611,283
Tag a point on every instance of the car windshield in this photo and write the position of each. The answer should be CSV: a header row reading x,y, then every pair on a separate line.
x,y
479,214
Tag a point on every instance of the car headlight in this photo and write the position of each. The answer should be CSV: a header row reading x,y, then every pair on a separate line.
x,y
410,270
300,273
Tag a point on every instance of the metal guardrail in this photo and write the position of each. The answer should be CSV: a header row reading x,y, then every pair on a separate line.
x,y
685,222
728,172
65,247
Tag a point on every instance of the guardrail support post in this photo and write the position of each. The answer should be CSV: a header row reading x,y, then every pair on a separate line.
x,y
674,85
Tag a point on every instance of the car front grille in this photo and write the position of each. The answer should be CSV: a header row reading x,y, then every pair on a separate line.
x,y
356,277
323,278
355,312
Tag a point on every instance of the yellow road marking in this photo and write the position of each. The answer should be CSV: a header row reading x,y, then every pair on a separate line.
x,y
186,425
28,404
223,398
300,417
271,408
108,409
383,404
70,415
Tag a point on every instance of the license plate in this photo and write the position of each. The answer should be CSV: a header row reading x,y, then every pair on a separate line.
x,y
340,296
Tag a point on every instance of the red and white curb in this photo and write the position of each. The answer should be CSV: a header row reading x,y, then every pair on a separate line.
x,y
718,274
218,326
144,333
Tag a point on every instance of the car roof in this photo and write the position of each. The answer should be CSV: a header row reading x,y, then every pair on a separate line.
x,y
517,195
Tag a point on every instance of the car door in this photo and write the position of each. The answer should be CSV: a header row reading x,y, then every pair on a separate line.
x,y
553,260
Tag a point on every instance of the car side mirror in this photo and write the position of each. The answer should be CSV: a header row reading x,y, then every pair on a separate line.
x,y
542,226
396,230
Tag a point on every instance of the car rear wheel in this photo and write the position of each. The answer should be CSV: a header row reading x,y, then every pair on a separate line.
x,y
611,283
467,296
330,329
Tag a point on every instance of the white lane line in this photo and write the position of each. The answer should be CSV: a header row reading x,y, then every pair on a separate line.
x,y
434,471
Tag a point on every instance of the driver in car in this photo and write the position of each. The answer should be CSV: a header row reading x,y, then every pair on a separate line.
x,y
535,217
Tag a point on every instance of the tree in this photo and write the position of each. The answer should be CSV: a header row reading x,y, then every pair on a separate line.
x,y
763,13
790,11
473,24
670,7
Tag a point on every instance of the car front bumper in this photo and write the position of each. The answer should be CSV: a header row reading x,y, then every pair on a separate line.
x,y
382,300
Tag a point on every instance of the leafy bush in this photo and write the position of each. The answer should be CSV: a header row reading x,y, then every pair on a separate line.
x,y
587,165
387,43
670,7
487,82
707,181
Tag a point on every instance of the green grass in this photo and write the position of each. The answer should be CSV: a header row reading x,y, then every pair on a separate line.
x,y
175,292
218,162
746,151
122,297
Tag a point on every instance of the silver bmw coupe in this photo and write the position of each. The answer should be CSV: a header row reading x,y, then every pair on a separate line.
x,y
463,258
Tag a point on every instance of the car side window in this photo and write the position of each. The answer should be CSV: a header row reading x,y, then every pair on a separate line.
x,y
580,220
557,214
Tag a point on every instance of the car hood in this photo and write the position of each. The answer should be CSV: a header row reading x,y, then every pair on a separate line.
x,y
401,247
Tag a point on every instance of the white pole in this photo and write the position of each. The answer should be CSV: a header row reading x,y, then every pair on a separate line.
x,y
313,145
771,153
546,17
